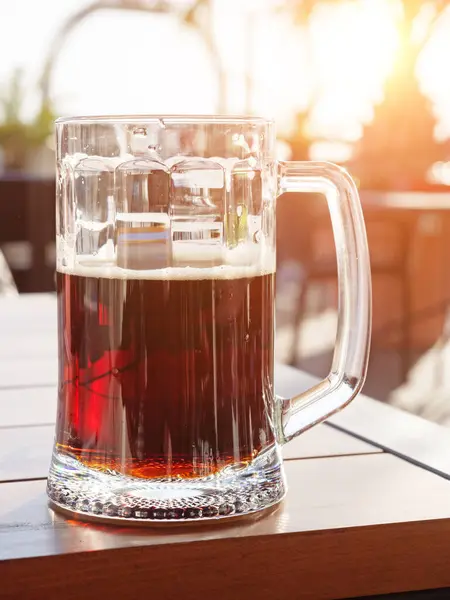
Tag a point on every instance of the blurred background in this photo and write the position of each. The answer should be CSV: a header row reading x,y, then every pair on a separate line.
x,y
359,82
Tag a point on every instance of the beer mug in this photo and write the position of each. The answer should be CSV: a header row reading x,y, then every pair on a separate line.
x,y
165,288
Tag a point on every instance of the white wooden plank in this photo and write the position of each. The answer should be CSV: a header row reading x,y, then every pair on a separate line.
x,y
27,406
25,451
28,372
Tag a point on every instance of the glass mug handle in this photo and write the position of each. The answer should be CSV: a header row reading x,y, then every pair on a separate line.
x,y
350,358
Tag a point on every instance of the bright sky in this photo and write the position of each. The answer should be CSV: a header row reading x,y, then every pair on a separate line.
x,y
133,62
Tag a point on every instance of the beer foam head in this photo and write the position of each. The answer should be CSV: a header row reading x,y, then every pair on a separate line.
x,y
247,260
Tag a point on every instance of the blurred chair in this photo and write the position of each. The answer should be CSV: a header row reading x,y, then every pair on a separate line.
x,y
27,231
7,285
311,243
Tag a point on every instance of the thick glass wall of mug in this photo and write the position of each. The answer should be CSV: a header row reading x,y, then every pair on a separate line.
x,y
165,299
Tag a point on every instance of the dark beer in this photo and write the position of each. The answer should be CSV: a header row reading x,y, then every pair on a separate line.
x,y
165,378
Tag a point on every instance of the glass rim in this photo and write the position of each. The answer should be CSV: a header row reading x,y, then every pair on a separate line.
x,y
163,119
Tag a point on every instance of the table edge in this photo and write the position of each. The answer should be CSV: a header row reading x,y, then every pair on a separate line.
x,y
360,561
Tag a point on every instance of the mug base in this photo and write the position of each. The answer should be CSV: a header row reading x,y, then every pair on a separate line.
x,y
236,491
166,524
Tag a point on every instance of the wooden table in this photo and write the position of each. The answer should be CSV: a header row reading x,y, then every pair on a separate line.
x,y
367,512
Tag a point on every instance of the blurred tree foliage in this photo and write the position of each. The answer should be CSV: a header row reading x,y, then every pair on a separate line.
x,y
398,147
299,141
17,137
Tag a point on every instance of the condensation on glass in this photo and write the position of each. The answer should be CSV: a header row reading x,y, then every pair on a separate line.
x,y
165,282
